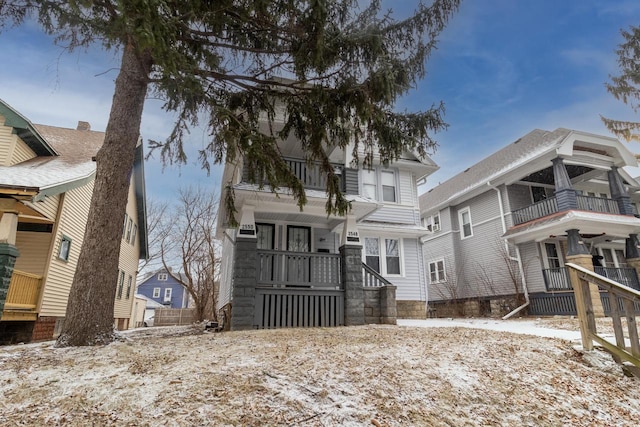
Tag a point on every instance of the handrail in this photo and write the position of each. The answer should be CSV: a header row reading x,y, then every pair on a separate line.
x,y
580,279
371,278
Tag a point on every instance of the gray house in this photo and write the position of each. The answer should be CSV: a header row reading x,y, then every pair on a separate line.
x,y
502,230
286,267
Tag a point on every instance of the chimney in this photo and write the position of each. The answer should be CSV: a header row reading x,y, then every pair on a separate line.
x,y
83,125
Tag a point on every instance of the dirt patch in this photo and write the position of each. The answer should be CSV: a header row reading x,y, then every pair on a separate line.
x,y
387,375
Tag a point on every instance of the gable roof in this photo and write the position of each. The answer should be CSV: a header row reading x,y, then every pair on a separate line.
x,y
492,169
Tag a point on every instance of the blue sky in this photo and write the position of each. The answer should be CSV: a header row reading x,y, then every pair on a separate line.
x,y
502,68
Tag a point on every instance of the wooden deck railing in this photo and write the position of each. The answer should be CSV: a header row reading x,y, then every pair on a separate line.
x,y
298,269
309,173
371,278
24,291
550,206
622,300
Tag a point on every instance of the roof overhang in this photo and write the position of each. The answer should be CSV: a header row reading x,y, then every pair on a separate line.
x,y
25,130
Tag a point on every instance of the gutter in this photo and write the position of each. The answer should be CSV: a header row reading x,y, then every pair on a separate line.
x,y
517,259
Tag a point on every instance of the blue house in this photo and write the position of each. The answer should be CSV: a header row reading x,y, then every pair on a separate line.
x,y
164,289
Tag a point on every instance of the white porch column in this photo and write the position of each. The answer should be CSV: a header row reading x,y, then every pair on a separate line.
x,y
350,234
247,226
8,222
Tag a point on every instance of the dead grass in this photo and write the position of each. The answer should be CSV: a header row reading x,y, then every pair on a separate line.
x,y
316,377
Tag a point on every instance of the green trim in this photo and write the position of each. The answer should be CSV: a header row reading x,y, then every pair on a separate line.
x,y
25,130
64,238
63,188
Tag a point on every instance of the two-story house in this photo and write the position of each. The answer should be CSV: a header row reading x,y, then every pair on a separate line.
x,y
162,288
286,267
46,184
502,230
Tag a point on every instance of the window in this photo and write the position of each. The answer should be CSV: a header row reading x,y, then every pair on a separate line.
x,y
538,194
436,271
388,186
390,252
65,248
156,292
465,223
167,294
298,238
369,184
433,222
133,234
264,236
128,237
162,277
379,184
553,260
120,285
124,226
393,256
129,282
372,253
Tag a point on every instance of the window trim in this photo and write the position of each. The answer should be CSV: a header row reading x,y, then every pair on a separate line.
x,y
129,226
163,277
377,173
444,271
120,284
167,294
129,283
156,294
461,212
382,254
64,238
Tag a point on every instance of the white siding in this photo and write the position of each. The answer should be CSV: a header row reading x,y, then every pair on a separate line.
x,y
72,223
48,207
226,270
407,189
396,214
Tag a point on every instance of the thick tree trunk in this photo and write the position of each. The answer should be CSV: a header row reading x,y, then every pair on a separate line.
x,y
89,319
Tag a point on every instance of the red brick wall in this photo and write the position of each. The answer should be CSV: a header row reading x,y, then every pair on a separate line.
x,y
43,329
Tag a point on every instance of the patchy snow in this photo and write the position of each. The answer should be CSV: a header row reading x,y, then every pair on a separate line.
x,y
439,372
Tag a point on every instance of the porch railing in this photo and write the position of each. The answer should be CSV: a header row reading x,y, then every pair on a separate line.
x,y
309,173
371,278
557,279
581,278
550,206
298,269
24,291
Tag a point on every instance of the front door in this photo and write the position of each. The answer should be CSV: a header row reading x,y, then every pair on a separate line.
x,y
555,274
298,266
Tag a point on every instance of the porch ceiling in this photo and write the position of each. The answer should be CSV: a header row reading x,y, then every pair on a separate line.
x,y
588,223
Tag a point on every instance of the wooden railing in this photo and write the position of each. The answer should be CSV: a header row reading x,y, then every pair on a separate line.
x,y
622,300
371,278
24,291
298,269
309,173
550,206
557,279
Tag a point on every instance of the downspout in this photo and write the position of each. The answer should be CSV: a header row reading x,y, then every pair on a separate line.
x,y
517,259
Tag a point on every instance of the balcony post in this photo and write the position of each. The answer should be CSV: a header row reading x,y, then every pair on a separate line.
x,y
244,272
565,194
618,192
8,250
577,253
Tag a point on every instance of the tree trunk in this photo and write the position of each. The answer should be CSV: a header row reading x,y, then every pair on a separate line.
x,y
89,318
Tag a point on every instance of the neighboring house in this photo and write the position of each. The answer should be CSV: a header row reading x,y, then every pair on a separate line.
x,y
287,267
502,230
46,182
150,307
164,289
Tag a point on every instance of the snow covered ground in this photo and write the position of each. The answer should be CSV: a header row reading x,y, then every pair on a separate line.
x,y
437,372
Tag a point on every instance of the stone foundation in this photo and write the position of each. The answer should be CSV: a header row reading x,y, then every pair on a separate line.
x,y
411,309
495,307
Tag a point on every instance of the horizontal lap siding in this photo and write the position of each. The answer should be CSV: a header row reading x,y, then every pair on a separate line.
x,y
408,194
34,251
412,285
441,246
21,153
531,262
128,262
72,223
48,207
395,214
7,142
226,270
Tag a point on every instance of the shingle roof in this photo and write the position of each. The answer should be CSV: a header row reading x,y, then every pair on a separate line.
x,y
75,148
529,146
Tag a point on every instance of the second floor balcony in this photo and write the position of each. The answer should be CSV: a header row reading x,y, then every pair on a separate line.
x,y
549,206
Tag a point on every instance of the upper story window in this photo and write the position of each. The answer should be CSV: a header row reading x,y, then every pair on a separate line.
x,y
380,184
465,223
120,284
433,222
129,227
156,292
167,294
162,277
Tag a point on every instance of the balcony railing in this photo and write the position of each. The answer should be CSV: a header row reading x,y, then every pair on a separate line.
x,y
550,206
23,295
298,269
309,173
557,279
